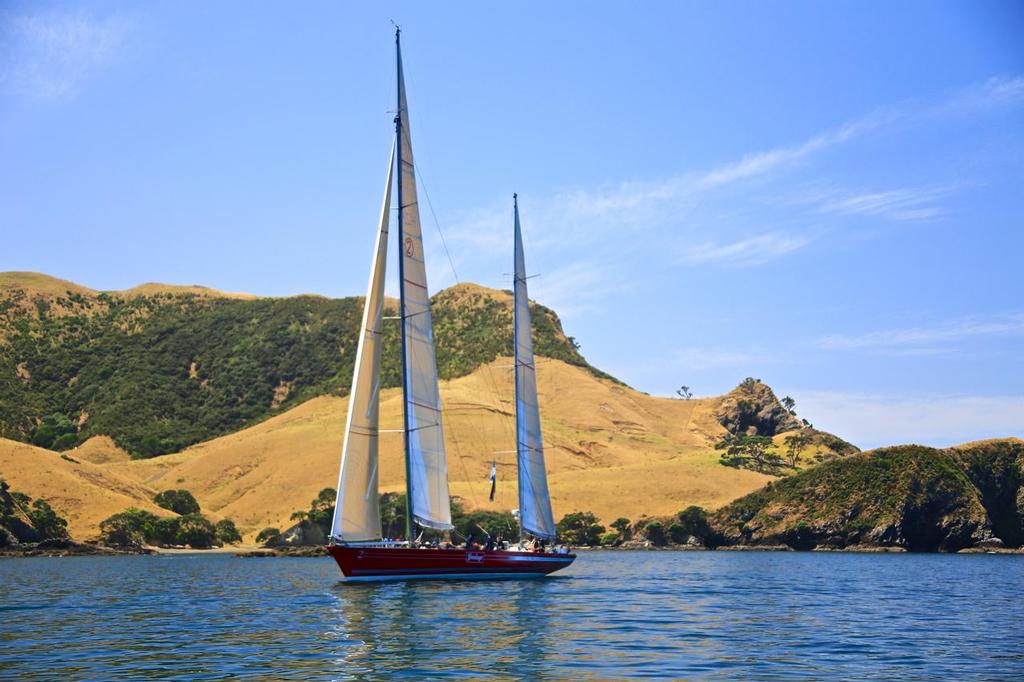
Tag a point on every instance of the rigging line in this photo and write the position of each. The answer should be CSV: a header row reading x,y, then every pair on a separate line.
x,y
506,421
437,225
462,462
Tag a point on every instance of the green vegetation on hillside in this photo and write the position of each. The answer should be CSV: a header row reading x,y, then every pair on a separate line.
x,y
161,372
913,497
23,519
178,501
136,527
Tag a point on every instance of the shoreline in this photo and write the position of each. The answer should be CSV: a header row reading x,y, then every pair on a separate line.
x,y
65,548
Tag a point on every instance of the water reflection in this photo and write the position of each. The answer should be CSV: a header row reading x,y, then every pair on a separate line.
x,y
495,629
612,615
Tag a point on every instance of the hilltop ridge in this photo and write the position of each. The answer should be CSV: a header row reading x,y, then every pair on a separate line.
x,y
73,359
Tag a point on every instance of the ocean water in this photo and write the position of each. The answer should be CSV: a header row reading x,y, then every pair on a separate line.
x,y
613,615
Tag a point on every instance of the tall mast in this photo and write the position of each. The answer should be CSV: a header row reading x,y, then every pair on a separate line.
x,y
515,363
401,294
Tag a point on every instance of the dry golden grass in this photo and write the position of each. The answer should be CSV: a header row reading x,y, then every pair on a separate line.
x,y
610,450
100,450
84,493
37,284
154,288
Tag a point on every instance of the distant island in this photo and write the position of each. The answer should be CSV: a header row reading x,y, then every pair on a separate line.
x,y
111,399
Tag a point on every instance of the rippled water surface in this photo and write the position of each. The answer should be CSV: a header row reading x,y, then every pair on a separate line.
x,y
716,615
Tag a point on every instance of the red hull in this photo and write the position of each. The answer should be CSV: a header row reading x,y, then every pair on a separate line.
x,y
402,563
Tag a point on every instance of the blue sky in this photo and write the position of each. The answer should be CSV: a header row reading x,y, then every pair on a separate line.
x,y
826,196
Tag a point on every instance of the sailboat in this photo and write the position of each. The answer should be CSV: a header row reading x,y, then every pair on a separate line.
x,y
356,541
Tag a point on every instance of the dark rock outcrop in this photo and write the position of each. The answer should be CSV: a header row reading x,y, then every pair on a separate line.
x,y
305,533
752,408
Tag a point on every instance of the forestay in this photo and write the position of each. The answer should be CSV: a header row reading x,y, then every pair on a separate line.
x,y
427,466
357,508
534,501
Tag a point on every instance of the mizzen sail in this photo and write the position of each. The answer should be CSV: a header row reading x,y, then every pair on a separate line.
x,y
426,465
357,508
534,501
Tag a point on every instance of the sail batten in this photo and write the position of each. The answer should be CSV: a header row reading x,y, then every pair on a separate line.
x,y
535,514
357,506
426,464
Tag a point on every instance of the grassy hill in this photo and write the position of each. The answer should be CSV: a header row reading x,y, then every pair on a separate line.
x,y
158,367
908,496
610,450
240,400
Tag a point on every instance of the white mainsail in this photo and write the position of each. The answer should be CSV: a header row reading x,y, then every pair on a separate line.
x,y
426,466
535,514
357,508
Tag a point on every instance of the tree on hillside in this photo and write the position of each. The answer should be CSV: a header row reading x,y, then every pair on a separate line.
x,y
749,452
580,528
227,534
795,444
196,531
321,509
655,533
268,533
693,521
55,432
684,392
165,531
17,508
486,523
130,528
392,515
178,501
47,521
789,404
621,525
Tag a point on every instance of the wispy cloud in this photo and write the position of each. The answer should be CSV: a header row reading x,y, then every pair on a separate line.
x,y
52,55
695,358
927,339
767,161
727,215
874,420
908,204
992,92
577,287
746,252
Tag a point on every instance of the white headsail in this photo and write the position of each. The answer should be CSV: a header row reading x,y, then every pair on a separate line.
x,y
357,508
427,467
534,501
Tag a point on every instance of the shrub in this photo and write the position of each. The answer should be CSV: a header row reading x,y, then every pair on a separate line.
x,y
227,534
655,532
165,531
490,523
580,528
621,524
694,521
130,528
55,432
610,538
46,521
196,531
677,533
177,501
268,533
